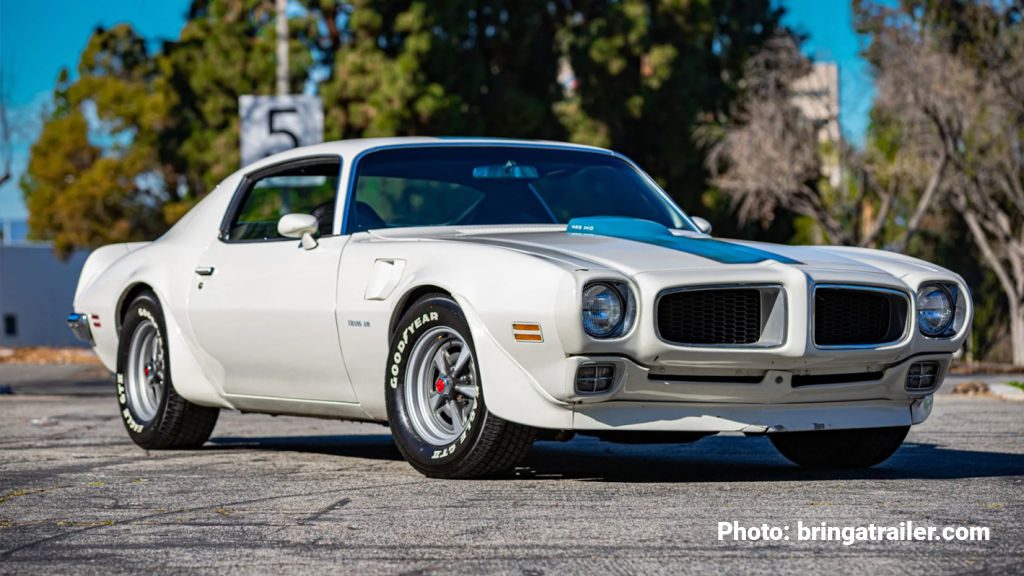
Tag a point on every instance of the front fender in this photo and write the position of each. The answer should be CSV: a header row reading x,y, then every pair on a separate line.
x,y
511,390
494,287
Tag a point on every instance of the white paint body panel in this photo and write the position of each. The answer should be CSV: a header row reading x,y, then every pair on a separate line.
x,y
279,329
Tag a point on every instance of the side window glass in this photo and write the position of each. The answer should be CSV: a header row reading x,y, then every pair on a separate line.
x,y
305,189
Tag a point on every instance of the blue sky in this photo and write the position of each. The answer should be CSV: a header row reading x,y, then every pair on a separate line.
x,y
37,39
829,27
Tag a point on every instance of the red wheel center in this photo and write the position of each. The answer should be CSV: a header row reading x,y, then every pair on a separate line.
x,y
146,370
439,385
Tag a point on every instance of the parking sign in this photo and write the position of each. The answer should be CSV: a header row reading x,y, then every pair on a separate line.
x,y
272,124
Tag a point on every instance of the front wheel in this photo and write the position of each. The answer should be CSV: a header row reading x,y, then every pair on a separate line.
x,y
435,403
858,448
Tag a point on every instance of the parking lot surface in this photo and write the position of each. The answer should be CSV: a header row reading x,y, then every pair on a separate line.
x,y
290,495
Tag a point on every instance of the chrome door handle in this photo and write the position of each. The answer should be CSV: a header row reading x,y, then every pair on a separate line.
x,y
204,270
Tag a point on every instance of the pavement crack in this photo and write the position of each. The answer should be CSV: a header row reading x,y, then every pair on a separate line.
x,y
325,510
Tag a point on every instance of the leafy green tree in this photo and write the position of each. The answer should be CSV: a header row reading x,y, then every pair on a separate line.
x,y
153,130
225,50
87,185
452,68
649,72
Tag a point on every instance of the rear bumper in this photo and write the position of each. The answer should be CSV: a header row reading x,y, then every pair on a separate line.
x,y
80,327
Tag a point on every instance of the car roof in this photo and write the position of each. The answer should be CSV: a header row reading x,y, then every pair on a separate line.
x,y
349,149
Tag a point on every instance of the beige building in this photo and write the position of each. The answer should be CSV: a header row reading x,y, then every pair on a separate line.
x,y
817,96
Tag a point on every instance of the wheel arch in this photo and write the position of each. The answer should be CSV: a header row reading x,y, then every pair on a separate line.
x,y
128,295
408,299
514,393
190,379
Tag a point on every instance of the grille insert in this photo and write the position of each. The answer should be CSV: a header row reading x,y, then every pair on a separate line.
x,y
854,317
711,316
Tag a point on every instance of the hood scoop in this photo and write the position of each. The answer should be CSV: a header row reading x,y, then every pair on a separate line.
x,y
649,232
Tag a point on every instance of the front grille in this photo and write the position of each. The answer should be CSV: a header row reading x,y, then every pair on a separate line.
x,y
853,317
711,316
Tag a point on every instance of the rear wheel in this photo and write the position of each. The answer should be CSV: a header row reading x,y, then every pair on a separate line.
x,y
859,448
435,403
151,409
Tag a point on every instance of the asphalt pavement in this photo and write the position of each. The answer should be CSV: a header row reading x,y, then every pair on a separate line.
x,y
291,495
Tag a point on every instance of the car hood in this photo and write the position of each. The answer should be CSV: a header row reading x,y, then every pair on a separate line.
x,y
638,255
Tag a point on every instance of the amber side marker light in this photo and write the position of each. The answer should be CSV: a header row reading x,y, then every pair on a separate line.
x,y
527,332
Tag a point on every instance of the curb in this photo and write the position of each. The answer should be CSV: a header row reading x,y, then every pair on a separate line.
x,y
1007,392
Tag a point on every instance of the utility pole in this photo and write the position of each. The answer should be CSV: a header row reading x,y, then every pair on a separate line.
x,y
282,48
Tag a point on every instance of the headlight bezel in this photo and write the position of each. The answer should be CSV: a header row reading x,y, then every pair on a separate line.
x,y
627,305
948,328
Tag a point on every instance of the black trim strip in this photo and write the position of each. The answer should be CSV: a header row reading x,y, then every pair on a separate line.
x,y
799,380
698,378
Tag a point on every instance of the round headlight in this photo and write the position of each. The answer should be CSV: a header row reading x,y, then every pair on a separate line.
x,y
603,310
934,310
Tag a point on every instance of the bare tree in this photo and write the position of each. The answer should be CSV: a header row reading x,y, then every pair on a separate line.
x,y
770,157
961,95
5,135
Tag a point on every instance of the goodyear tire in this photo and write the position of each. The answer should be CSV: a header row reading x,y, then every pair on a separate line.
x,y
859,448
435,402
154,414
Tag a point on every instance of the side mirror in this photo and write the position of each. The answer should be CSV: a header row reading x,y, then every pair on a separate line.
x,y
299,226
702,225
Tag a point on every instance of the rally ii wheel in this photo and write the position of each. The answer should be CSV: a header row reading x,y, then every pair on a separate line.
x,y
435,402
858,448
154,414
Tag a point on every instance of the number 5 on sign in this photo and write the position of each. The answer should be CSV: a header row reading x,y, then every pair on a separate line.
x,y
272,124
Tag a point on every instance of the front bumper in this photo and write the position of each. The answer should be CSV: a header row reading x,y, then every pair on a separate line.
x,y
80,327
771,400
748,418
789,383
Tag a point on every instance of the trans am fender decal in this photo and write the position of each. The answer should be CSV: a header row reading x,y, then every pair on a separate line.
x,y
650,232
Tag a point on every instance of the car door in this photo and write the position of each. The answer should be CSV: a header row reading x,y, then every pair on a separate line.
x,y
262,307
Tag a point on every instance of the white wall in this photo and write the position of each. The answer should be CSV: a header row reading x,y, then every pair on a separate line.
x,y
37,289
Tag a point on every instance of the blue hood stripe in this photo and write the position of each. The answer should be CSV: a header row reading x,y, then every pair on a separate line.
x,y
650,232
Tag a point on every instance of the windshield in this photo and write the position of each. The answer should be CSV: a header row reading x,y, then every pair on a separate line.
x,y
474,185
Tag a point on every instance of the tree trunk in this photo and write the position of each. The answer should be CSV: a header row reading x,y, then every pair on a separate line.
x,y
1013,297
1017,331
924,204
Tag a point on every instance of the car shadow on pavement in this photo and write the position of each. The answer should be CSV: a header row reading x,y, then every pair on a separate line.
x,y
717,459
733,459
371,446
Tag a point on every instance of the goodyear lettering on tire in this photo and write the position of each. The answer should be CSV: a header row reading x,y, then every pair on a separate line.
x,y
122,397
396,358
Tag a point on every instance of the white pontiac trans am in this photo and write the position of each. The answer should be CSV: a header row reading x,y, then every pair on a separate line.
x,y
478,294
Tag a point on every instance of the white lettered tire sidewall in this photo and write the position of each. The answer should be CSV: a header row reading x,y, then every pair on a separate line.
x,y
143,308
427,313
